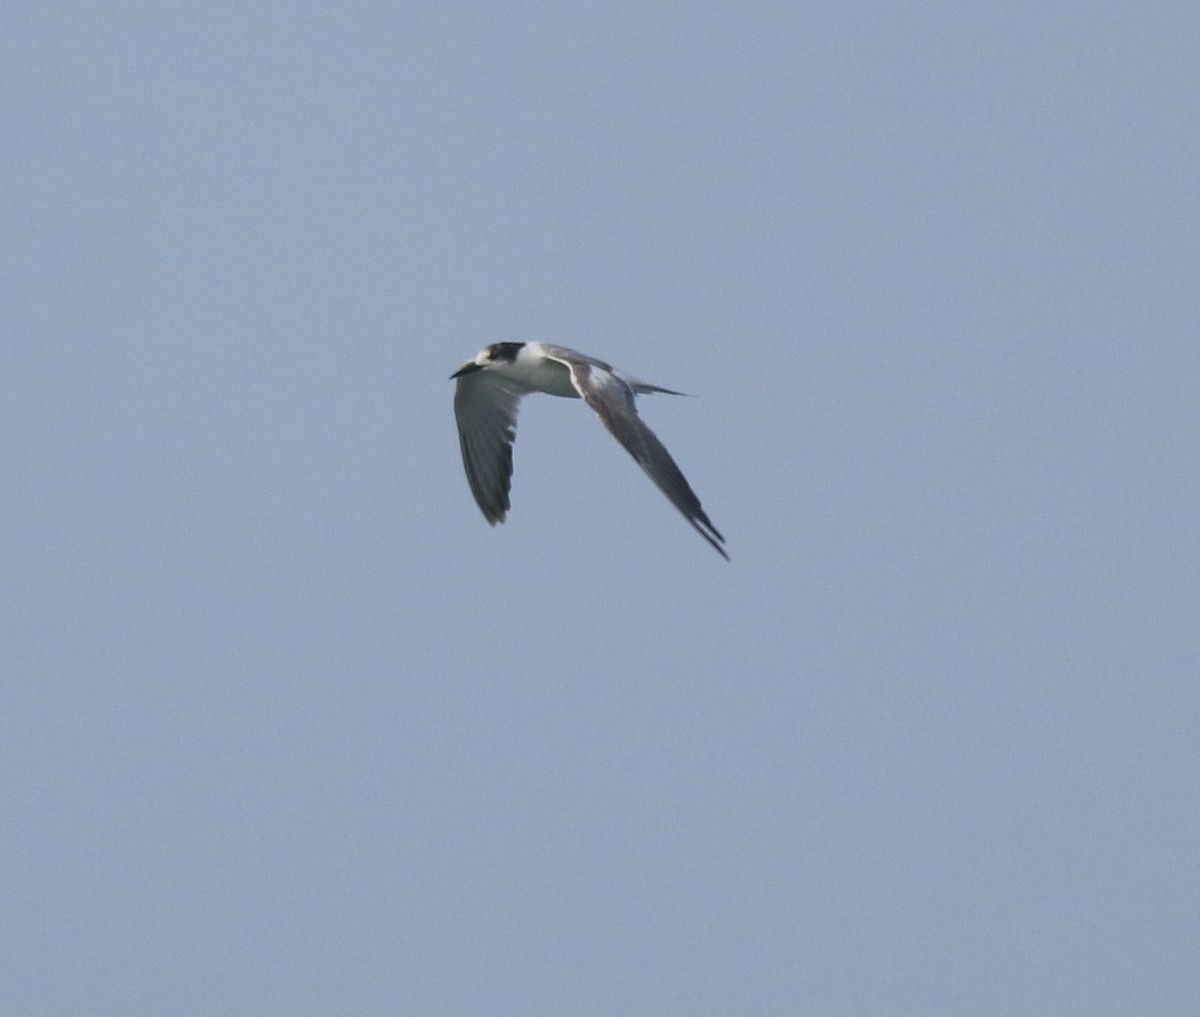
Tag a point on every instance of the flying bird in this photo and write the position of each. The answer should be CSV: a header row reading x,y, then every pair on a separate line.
x,y
485,406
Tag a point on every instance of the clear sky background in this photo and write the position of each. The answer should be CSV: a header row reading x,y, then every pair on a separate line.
x,y
287,728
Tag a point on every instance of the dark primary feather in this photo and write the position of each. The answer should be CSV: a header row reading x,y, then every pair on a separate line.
x,y
487,448
613,402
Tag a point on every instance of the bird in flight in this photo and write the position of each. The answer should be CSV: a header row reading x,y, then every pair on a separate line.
x,y
485,406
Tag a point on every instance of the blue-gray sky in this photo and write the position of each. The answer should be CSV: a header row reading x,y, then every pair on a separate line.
x,y
288,729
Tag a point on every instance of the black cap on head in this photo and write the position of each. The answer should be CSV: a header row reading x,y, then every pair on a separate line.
x,y
504,351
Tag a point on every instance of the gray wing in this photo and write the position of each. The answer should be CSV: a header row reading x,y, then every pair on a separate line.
x,y
570,357
485,408
612,399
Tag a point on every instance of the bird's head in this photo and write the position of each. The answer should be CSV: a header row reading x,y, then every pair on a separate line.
x,y
497,353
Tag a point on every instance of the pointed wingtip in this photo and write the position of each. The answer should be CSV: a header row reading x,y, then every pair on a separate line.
x,y
711,534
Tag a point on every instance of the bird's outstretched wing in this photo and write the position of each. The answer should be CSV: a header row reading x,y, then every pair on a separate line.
x,y
612,399
485,408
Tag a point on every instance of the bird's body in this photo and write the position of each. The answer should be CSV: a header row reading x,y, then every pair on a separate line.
x,y
532,371
485,406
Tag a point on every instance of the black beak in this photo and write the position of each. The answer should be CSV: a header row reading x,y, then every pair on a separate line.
x,y
466,368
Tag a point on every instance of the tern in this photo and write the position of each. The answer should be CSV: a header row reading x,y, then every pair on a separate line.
x,y
489,388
